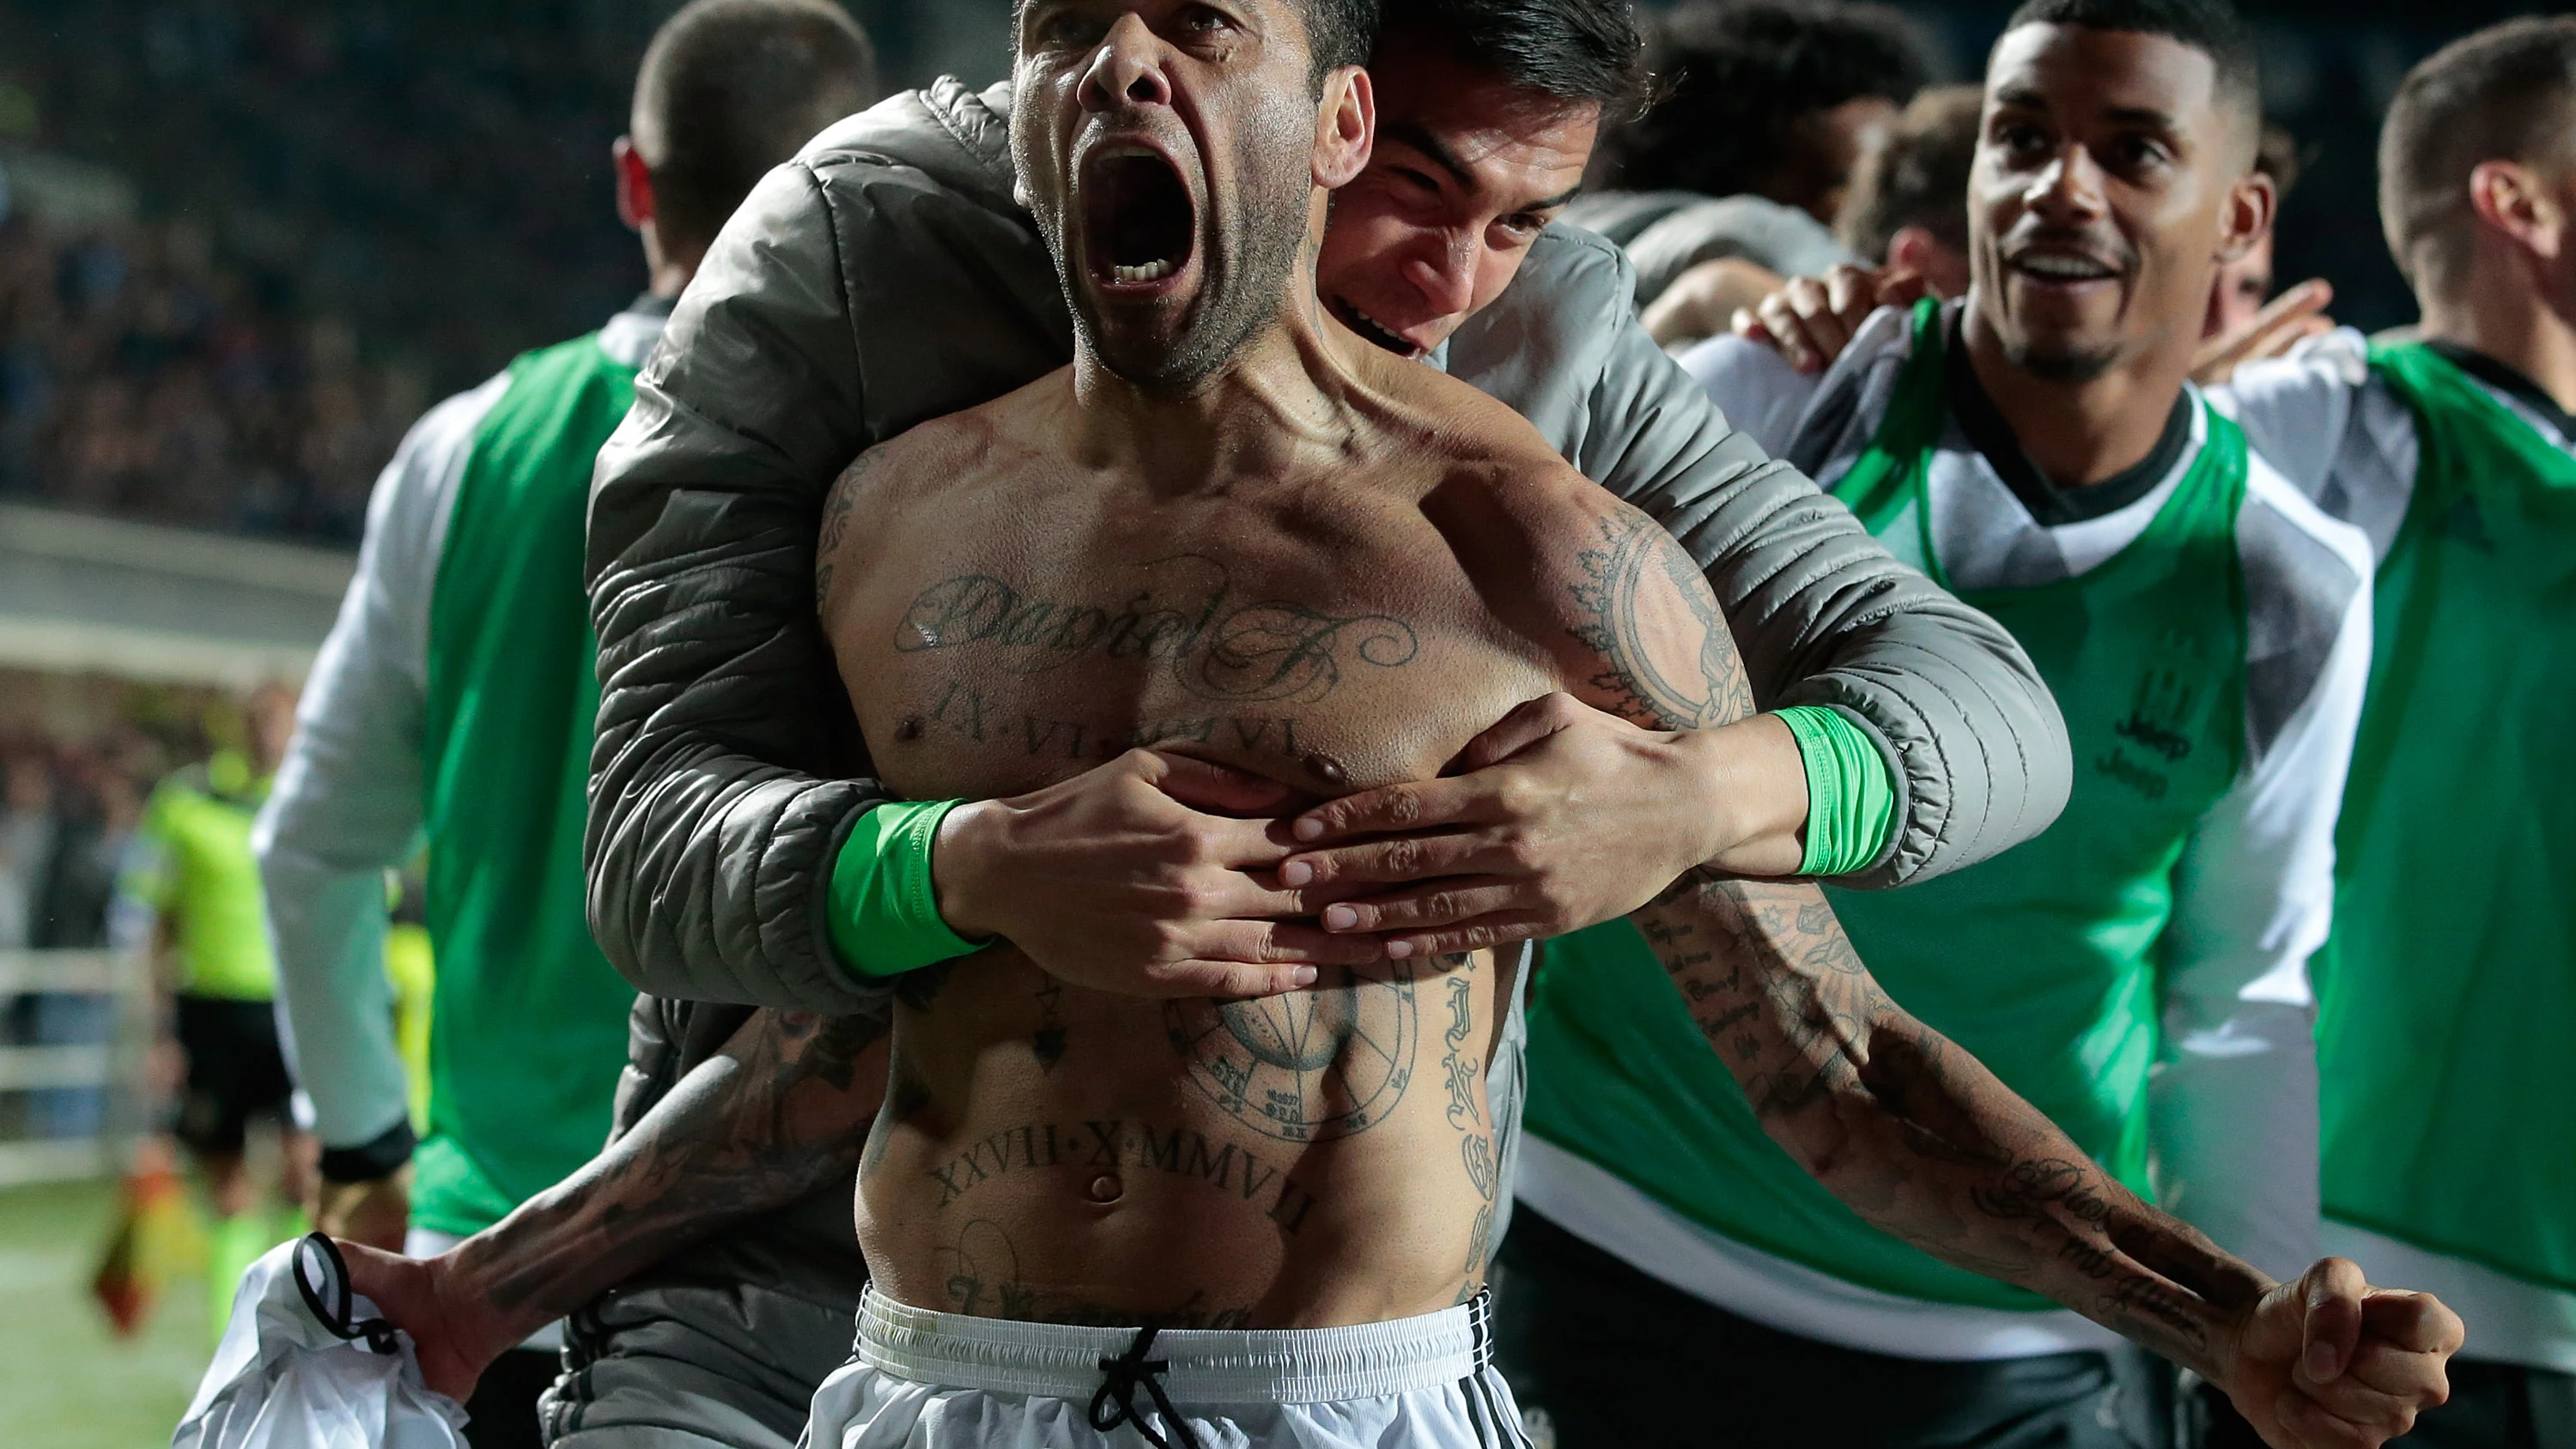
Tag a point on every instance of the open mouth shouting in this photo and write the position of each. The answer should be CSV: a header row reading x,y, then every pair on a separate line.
x,y
1140,223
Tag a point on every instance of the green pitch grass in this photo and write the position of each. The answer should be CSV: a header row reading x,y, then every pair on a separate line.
x,y
66,1382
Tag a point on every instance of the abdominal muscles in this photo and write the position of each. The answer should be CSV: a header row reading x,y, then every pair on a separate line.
x,y
1055,1154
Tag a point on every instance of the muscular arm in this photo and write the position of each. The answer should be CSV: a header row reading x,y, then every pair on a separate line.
x,y
1904,1127
1918,1138
782,1110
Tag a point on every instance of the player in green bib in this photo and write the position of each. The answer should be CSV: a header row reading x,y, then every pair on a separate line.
x,y
2204,628
456,701
2447,996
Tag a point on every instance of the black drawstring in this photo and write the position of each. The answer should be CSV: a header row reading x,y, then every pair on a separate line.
x,y
1115,1404
334,1315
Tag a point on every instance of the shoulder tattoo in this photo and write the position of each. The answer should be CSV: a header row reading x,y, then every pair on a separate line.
x,y
1644,607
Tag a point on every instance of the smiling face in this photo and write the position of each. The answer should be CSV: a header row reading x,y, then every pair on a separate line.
x,y
1467,171
2111,181
1169,152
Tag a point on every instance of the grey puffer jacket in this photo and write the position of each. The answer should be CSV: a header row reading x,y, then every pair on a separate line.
x,y
885,277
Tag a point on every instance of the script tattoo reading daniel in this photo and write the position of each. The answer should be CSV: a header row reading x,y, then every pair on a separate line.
x,y
1253,661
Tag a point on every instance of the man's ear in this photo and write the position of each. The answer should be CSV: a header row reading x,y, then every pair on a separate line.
x,y
634,184
1917,250
2511,198
1345,127
1909,247
2252,204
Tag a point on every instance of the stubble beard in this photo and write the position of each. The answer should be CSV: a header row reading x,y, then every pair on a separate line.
x,y
1246,279
2069,366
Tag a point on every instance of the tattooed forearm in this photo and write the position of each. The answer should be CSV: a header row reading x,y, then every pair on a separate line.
x,y
1915,1135
780,1113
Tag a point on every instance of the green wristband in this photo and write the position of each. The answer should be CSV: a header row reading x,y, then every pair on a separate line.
x,y
1851,803
885,913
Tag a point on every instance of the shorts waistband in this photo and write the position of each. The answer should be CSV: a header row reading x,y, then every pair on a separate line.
x,y
1203,1366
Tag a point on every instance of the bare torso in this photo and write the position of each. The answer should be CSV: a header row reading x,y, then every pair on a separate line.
x,y
1321,1158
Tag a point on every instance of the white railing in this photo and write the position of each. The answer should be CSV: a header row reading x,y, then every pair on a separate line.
x,y
115,1067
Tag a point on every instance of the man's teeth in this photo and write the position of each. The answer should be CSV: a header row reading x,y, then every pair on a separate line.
x,y
1150,272
1386,336
2072,267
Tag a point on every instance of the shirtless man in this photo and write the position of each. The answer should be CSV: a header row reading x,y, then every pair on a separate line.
x,y
1233,531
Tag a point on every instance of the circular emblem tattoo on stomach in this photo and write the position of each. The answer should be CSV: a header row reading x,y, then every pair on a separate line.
x,y
1330,1061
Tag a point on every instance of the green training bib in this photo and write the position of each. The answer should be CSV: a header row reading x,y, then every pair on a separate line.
x,y
2041,961
528,1021
2447,997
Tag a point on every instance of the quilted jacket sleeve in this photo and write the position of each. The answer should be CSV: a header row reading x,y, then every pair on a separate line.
x,y
1822,613
712,815
850,297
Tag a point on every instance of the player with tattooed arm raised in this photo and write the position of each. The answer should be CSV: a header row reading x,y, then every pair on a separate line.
x,y
1237,533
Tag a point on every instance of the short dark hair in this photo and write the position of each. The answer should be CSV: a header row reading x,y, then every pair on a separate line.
x,y
1574,50
2211,27
1918,176
1339,32
731,88
2504,93
1735,77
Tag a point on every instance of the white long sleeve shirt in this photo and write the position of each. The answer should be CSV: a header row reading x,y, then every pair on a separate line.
x,y
347,804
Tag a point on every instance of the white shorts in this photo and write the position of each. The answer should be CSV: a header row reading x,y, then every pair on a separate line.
x,y
946,1381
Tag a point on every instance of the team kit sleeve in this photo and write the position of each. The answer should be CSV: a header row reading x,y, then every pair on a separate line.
x,y
346,806
2295,409
2234,1102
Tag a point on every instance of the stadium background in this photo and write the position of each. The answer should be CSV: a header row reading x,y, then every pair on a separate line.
x,y
245,242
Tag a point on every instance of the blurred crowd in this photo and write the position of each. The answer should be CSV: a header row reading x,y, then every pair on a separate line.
x,y
68,818
245,349
140,377
68,811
